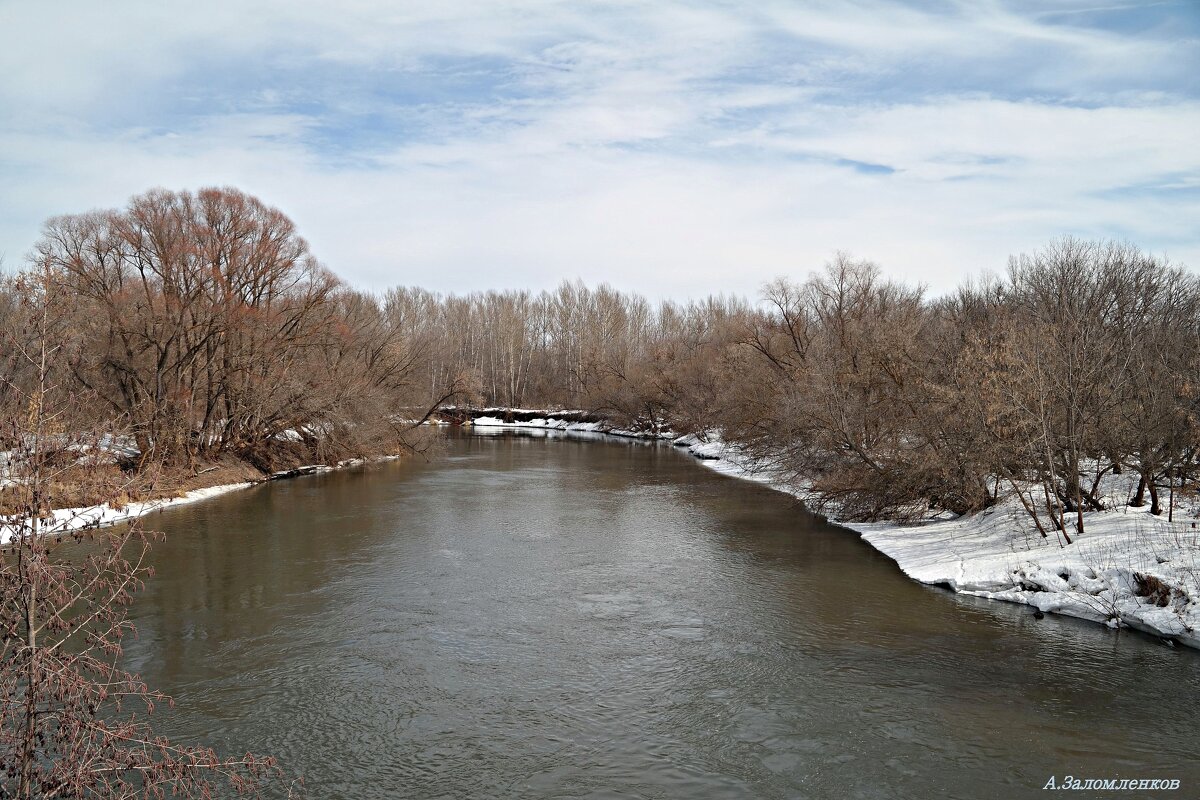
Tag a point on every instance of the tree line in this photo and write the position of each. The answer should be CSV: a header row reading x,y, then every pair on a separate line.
x,y
1080,361
199,324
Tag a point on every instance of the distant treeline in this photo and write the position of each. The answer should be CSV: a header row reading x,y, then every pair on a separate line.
x,y
201,325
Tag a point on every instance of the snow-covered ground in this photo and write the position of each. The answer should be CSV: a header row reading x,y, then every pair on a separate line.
x,y
1129,567
64,520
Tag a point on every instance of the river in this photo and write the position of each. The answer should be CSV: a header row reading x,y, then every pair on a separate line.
x,y
533,617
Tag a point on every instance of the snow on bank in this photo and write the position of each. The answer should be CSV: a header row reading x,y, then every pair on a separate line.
x,y
542,423
1104,575
550,422
64,520
1128,569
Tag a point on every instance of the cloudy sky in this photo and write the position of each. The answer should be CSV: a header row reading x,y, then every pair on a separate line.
x,y
668,147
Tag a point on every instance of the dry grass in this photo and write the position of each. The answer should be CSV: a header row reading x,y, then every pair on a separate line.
x,y
1153,589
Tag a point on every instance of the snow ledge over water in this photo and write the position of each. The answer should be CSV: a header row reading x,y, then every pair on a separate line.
x,y
996,554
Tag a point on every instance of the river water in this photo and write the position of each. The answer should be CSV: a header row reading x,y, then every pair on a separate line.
x,y
530,617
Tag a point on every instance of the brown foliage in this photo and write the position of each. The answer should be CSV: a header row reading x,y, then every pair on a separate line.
x,y
205,326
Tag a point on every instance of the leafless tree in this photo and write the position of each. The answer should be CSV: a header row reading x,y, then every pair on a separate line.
x,y
73,722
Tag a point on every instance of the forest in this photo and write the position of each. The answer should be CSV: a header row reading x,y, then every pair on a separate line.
x,y
196,328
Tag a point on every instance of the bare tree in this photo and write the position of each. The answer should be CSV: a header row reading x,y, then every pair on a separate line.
x,y
204,322
73,723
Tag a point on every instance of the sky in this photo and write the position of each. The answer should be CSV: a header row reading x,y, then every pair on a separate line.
x,y
672,148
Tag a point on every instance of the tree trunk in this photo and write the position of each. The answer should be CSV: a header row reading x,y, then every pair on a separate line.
x,y
1171,502
1139,497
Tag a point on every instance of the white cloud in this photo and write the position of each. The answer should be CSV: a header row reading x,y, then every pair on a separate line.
x,y
663,147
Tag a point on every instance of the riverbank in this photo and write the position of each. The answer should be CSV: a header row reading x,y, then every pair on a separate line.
x,y
65,520
101,515
1129,568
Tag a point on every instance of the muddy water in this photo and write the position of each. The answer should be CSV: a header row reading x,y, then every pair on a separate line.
x,y
535,618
